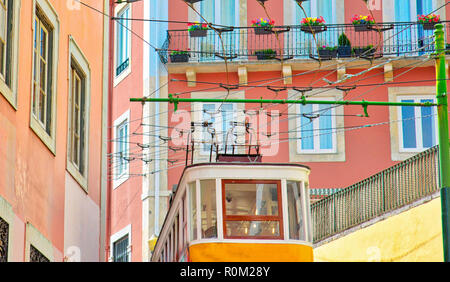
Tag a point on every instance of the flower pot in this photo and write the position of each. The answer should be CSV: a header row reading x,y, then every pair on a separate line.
x,y
179,58
345,51
362,27
333,53
264,56
313,28
428,26
324,53
192,1
363,51
263,30
198,32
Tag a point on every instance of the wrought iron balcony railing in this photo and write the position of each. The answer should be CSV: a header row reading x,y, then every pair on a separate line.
x,y
296,42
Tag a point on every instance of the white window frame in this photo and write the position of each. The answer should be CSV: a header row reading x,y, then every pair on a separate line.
x,y
116,237
9,92
394,95
118,10
418,123
119,179
338,122
316,130
82,64
51,18
197,115
39,242
218,126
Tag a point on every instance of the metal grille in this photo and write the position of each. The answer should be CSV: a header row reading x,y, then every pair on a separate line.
x,y
386,191
4,233
36,256
121,250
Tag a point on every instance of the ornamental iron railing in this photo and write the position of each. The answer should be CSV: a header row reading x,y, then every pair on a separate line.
x,y
388,190
297,42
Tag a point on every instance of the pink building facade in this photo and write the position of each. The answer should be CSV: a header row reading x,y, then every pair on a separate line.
x,y
342,145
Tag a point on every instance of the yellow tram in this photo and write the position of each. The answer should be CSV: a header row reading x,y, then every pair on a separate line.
x,y
238,212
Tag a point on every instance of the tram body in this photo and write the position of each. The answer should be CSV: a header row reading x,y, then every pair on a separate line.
x,y
238,212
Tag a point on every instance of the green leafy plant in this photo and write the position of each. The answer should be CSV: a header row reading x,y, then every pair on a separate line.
x,y
179,52
329,48
197,26
266,52
343,40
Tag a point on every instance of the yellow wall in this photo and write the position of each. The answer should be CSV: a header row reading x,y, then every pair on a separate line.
x,y
414,235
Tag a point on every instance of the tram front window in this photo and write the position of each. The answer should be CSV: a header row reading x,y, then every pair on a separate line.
x,y
252,209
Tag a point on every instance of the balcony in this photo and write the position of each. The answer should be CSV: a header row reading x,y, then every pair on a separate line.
x,y
242,45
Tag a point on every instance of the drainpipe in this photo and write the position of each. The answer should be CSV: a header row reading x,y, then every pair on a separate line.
x,y
110,104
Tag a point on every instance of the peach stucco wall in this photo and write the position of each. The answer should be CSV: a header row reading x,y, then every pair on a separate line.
x,y
34,179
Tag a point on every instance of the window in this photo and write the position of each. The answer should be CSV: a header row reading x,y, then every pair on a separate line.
x,y
208,208
295,199
403,11
4,236
122,130
252,209
317,8
36,255
316,133
45,42
221,117
9,16
418,124
313,133
120,245
121,250
37,247
193,211
224,12
79,94
123,40
412,129
121,139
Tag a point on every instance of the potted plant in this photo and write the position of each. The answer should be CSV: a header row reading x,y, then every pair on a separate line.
x,y
326,52
362,23
344,46
265,54
428,21
263,26
313,25
192,1
179,56
365,51
197,29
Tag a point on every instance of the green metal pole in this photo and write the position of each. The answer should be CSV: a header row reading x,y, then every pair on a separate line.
x,y
444,153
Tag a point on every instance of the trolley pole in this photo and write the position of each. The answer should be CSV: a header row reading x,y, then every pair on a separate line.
x,y
444,152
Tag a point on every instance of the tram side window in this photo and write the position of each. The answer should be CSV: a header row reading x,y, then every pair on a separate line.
x,y
295,211
208,208
175,239
252,209
193,211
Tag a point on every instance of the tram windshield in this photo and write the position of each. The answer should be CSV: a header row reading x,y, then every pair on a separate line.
x,y
252,209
